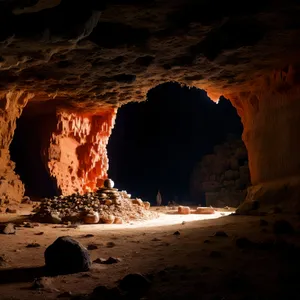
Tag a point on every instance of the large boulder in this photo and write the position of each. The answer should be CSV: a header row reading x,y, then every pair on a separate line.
x,y
67,256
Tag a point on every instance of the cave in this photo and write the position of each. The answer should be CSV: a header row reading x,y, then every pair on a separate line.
x,y
163,140
66,68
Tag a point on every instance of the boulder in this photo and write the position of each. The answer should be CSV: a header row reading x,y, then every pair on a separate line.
x,y
67,256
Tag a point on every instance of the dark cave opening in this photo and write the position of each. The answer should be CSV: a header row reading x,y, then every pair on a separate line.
x,y
25,151
156,144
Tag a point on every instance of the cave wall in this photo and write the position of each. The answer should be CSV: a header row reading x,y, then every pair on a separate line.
x,y
223,176
11,106
271,120
227,49
74,152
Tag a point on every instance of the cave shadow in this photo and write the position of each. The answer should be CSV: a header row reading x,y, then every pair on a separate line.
x,y
26,151
168,135
29,274
21,274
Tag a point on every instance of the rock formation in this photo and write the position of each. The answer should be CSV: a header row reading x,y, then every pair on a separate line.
x,y
11,106
271,116
223,177
101,54
75,154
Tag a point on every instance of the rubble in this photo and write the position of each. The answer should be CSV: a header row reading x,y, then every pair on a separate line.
x,y
106,206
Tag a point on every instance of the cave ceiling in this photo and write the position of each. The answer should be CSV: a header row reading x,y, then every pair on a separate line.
x,y
94,53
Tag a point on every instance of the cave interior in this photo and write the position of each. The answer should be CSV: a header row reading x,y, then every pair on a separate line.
x,y
66,68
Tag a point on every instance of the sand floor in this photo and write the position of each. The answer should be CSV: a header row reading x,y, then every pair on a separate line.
x,y
192,265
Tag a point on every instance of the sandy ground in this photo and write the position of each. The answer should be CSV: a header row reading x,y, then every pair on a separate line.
x,y
192,265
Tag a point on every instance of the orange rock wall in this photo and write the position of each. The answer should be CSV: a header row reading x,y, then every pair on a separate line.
x,y
11,106
76,153
271,120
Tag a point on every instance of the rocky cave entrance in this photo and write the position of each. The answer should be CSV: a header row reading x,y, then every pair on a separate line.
x,y
164,141
25,151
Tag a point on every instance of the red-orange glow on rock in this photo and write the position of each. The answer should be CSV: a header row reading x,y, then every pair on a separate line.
x,y
270,113
77,156
271,117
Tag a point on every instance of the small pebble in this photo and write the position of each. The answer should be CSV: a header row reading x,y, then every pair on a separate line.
x,y
221,234
110,245
33,245
109,261
8,228
88,235
92,247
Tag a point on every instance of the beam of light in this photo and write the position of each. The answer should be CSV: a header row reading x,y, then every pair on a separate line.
x,y
164,220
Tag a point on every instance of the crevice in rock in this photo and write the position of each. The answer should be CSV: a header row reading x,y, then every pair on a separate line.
x,y
25,151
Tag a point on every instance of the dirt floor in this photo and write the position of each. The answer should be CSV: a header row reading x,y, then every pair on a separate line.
x,y
252,262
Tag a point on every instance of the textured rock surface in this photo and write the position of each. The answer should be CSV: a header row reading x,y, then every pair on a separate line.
x,y
108,53
115,51
223,177
271,132
11,106
67,256
75,154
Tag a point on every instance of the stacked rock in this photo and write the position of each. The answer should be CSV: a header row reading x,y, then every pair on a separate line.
x,y
106,205
223,177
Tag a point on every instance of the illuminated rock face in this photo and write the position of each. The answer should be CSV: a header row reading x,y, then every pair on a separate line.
x,y
271,119
11,106
75,155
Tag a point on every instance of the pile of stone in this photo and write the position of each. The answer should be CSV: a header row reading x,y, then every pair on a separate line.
x,y
222,177
107,205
